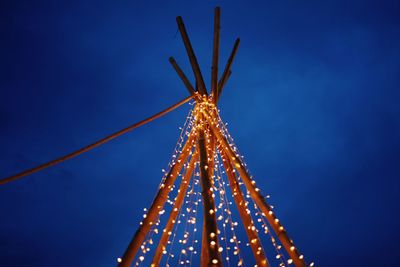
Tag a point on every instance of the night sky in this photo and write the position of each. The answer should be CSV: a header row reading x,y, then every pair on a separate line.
x,y
312,103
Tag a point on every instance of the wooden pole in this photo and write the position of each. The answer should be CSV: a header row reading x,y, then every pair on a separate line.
x,y
175,211
182,75
210,152
204,244
211,227
204,258
214,68
94,145
281,233
228,66
192,57
158,204
222,83
247,221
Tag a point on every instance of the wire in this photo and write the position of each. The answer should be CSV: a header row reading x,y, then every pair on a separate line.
x,y
91,146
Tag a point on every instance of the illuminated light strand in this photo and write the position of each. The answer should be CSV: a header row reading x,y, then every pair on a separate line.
x,y
178,220
183,134
176,224
149,236
177,205
210,243
157,220
182,137
175,228
188,211
232,225
273,240
198,194
219,174
190,247
251,230
276,226
232,143
225,132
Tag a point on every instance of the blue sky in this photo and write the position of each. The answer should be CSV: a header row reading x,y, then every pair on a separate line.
x,y
312,104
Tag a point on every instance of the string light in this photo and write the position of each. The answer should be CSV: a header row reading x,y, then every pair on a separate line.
x,y
204,117
227,215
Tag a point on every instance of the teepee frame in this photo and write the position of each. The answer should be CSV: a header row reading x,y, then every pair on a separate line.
x,y
203,141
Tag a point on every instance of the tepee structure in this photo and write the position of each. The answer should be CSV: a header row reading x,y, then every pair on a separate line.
x,y
207,176
208,146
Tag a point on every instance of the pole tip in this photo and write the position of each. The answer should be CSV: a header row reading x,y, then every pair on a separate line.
x,y
179,19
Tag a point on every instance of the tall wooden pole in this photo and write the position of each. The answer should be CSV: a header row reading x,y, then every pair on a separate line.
x,y
214,68
162,244
211,227
182,75
192,57
210,155
93,145
247,221
222,83
204,258
279,230
228,66
158,203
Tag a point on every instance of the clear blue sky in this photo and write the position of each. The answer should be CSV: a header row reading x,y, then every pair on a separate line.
x,y
312,104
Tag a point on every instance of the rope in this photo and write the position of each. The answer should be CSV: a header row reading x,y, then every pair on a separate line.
x,y
91,146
